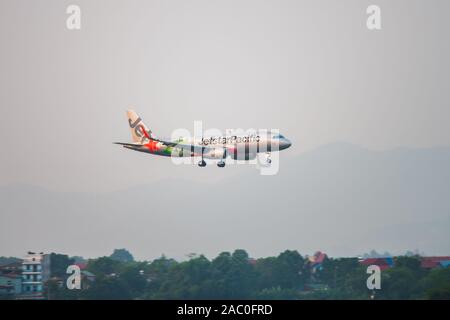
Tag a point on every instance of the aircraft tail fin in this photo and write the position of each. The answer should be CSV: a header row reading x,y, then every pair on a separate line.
x,y
140,133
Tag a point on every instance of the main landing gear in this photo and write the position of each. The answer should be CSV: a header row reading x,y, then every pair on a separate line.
x,y
202,163
220,164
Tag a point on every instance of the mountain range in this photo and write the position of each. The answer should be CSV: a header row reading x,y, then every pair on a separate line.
x,y
339,198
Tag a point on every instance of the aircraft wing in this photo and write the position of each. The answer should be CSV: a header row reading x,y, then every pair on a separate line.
x,y
198,149
128,144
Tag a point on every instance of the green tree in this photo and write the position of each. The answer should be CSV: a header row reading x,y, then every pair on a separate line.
x,y
122,255
134,276
436,284
108,288
398,283
287,271
104,266
345,278
59,264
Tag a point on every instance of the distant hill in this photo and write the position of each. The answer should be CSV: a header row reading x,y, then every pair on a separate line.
x,y
9,260
339,198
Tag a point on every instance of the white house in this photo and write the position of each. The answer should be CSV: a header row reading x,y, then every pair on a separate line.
x,y
35,272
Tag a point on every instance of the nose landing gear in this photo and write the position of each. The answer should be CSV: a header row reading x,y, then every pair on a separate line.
x,y
268,160
265,161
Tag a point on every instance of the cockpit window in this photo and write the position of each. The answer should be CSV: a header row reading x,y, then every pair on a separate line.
x,y
278,136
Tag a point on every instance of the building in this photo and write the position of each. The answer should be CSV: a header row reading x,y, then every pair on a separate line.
x,y
315,261
383,263
35,272
425,262
11,268
435,262
87,279
10,284
11,279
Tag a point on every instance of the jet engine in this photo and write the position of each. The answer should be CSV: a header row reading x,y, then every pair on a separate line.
x,y
216,153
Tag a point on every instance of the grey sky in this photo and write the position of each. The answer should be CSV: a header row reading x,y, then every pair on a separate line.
x,y
309,68
339,198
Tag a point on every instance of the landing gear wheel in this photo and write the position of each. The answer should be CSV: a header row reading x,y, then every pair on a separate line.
x,y
221,164
202,163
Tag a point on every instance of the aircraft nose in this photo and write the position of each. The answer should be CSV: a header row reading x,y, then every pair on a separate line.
x,y
285,143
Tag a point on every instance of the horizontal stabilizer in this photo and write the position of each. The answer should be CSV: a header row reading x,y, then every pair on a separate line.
x,y
128,144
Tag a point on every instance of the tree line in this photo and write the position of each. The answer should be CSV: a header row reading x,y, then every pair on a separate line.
x,y
235,276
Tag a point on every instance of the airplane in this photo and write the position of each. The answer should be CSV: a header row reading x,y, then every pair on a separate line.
x,y
237,147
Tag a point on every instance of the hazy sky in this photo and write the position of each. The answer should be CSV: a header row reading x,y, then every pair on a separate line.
x,y
309,68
